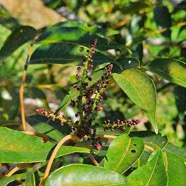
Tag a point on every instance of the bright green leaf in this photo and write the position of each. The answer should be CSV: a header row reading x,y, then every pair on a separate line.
x,y
141,90
156,141
86,175
176,170
17,38
181,152
153,173
122,153
170,69
18,147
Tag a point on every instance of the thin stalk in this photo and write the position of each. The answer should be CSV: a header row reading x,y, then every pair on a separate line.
x,y
21,90
49,165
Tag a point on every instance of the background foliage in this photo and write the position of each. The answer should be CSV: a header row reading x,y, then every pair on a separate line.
x,y
145,40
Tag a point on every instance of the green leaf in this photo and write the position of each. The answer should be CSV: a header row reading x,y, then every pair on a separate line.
x,y
156,141
64,53
6,180
74,35
91,29
162,18
170,69
141,90
18,147
86,175
122,153
175,150
176,170
153,173
50,128
30,179
17,38
125,63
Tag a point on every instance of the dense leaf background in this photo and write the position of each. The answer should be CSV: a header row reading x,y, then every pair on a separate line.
x,y
145,42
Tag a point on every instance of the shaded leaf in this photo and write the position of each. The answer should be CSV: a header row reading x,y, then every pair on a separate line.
x,y
86,175
162,18
74,35
170,69
122,153
64,53
17,38
176,170
125,63
18,147
153,173
91,29
6,180
30,179
141,90
50,128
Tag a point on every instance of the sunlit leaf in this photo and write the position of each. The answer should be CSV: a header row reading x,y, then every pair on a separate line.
x,y
153,173
156,141
181,152
176,169
170,69
17,38
141,90
86,175
122,153
18,147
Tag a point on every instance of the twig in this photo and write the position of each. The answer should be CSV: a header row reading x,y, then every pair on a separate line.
x,y
63,140
17,168
93,160
149,148
21,90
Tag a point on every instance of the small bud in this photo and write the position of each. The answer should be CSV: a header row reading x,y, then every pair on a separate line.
x,y
99,107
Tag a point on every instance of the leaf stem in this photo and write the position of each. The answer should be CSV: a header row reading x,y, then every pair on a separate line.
x,y
93,160
63,140
18,167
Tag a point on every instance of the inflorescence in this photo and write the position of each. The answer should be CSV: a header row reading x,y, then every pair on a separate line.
x,y
88,102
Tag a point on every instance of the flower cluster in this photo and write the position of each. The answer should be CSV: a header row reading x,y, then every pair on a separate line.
x,y
119,124
88,102
55,117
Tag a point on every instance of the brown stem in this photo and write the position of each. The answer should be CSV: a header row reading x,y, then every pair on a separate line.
x,y
17,168
93,160
63,140
149,148
21,90
106,136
